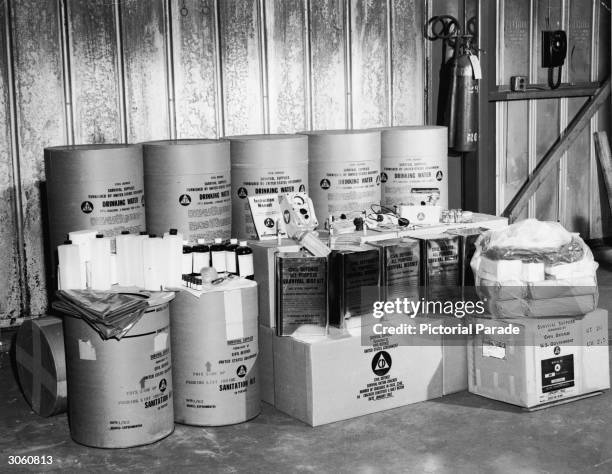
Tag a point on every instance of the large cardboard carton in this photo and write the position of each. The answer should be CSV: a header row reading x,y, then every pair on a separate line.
x,y
326,379
550,360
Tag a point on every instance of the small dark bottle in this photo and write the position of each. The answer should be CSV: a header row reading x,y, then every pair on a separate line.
x,y
217,255
230,256
201,255
244,258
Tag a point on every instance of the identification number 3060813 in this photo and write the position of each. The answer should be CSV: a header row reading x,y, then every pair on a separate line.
x,y
30,459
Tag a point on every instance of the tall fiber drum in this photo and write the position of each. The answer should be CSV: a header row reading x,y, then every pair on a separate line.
x,y
120,392
215,355
264,164
343,171
94,187
414,165
187,183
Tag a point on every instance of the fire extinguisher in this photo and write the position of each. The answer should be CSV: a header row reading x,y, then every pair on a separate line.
x,y
459,87
462,103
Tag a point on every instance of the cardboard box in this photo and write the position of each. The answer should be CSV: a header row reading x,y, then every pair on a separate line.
x,y
263,263
551,360
543,299
327,379
266,363
569,306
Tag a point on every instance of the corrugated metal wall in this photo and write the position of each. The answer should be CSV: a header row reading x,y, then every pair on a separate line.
x,y
94,71
527,129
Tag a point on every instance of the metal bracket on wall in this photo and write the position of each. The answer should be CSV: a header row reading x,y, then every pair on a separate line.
x,y
541,91
552,157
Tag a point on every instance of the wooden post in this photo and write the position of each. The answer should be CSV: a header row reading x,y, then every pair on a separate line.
x,y
602,149
553,155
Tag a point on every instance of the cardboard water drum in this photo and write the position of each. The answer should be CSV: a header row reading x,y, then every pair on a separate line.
x,y
120,392
215,355
343,171
264,164
94,187
41,365
414,166
187,183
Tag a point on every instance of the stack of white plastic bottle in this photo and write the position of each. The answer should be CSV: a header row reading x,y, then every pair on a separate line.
x,y
145,260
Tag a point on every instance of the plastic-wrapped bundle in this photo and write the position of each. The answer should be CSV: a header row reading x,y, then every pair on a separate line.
x,y
535,269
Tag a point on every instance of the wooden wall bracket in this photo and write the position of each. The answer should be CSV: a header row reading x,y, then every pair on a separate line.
x,y
552,157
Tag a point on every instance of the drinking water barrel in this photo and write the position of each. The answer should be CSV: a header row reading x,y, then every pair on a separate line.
x,y
93,187
215,354
187,183
414,165
120,391
264,164
343,171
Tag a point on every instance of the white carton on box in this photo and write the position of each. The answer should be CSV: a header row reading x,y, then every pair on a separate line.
x,y
551,360
328,379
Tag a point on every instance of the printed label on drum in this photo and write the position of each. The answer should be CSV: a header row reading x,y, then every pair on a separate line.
x,y
384,383
199,203
232,375
152,392
414,180
248,182
113,207
344,187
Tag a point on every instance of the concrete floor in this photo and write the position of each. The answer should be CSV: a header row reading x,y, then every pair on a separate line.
x,y
458,433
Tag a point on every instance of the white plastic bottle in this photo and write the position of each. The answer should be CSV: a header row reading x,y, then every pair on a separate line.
x,y
100,264
173,251
69,259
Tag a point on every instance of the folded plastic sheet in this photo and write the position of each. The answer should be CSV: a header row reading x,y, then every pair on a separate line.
x,y
112,315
